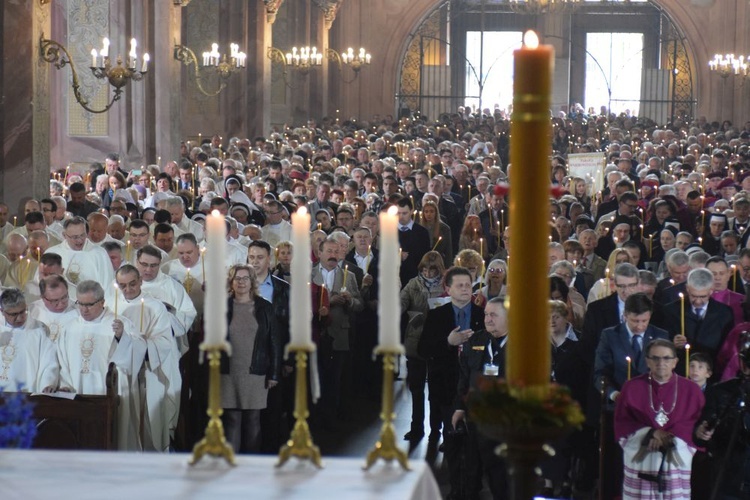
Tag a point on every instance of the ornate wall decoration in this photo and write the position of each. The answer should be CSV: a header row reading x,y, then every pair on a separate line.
x,y
88,23
202,30
272,8
330,8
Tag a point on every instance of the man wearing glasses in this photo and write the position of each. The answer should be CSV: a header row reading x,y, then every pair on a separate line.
x,y
159,379
27,356
82,259
54,308
169,291
619,357
654,421
609,311
94,338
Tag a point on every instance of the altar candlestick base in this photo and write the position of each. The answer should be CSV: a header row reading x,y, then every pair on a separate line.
x,y
386,448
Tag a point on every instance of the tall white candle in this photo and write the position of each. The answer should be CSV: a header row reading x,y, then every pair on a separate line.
x,y
301,268
389,305
215,280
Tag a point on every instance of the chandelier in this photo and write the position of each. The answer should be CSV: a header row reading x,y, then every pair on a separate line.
x,y
118,74
213,63
727,64
537,7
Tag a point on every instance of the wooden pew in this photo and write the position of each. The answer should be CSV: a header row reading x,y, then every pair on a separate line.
x,y
83,423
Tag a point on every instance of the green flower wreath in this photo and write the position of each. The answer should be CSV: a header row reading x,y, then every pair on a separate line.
x,y
495,402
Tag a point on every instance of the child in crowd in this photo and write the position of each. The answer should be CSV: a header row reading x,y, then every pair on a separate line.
x,y
700,369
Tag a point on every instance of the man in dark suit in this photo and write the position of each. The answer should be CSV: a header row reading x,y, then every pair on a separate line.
x,y
276,425
707,321
413,239
363,257
450,213
494,220
620,355
608,207
601,314
482,355
445,328
607,312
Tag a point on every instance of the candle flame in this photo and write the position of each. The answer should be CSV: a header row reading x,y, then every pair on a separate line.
x,y
530,40
681,295
627,358
393,211
215,213
302,211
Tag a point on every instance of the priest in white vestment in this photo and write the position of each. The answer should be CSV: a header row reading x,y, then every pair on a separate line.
x,y
54,308
82,259
189,266
139,237
276,229
169,291
27,356
159,379
87,345
49,265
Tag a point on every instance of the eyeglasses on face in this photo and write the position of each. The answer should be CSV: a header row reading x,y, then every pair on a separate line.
x,y
241,279
626,286
56,302
88,304
149,266
14,315
659,359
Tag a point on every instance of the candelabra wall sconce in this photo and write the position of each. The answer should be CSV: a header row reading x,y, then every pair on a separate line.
x,y
212,62
118,74
301,60
305,59
355,60
728,65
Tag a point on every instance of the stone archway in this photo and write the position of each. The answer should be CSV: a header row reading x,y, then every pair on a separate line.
x,y
689,17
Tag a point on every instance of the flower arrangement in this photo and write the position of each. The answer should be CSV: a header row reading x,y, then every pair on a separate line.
x,y
17,425
517,408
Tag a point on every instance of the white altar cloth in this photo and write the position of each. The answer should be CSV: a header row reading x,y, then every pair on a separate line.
x,y
81,475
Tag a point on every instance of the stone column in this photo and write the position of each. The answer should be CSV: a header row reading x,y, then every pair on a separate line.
x,y
24,172
259,37
165,82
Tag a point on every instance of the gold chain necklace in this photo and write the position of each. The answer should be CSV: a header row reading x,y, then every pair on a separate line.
x,y
662,416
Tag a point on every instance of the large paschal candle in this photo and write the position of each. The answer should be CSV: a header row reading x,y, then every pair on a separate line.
x,y
528,361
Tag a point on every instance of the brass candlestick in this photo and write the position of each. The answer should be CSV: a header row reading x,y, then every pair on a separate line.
x,y
300,443
386,447
214,443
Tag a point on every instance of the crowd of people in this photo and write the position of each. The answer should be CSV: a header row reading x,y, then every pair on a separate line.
x,y
649,287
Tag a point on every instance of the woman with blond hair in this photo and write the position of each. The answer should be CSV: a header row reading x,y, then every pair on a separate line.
x,y
472,236
440,233
254,366
494,279
599,290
